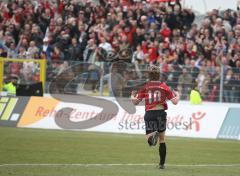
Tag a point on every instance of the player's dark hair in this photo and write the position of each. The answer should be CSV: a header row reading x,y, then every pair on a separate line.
x,y
154,75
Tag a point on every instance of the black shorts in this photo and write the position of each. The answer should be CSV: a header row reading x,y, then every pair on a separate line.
x,y
155,120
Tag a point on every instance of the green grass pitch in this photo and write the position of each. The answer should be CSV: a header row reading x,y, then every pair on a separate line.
x,y
59,149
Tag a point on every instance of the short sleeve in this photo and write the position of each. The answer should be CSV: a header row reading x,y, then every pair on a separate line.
x,y
169,93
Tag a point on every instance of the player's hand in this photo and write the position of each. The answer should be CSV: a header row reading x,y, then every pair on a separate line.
x,y
177,94
134,98
134,93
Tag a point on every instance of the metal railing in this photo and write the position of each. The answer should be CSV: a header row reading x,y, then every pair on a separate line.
x,y
217,84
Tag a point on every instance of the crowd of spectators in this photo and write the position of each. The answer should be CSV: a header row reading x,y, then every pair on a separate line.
x,y
190,53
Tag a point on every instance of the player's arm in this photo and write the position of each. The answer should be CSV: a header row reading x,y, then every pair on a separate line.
x,y
134,98
176,98
172,95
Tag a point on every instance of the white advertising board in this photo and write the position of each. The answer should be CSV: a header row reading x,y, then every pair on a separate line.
x,y
203,121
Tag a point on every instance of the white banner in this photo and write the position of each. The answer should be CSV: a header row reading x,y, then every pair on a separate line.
x,y
184,120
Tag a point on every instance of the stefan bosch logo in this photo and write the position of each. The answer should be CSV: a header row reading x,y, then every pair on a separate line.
x,y
178,122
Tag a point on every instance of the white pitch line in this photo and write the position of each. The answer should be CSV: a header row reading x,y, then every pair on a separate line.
x,y
124,164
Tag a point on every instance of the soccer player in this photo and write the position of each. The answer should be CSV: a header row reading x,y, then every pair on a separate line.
x,y
156,94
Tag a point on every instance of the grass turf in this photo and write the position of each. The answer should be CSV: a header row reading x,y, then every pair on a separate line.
x,y
34,146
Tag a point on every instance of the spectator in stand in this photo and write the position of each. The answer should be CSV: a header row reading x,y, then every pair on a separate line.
x,y
93,77
22,52
228,86
89,54
74,50
105,45
57,54
184,83
115,81
36,35
203,81
46,49
12,49
33,51
138,56
165,31
194,71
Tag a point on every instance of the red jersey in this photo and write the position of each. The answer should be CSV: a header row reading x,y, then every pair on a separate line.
x,y
155,93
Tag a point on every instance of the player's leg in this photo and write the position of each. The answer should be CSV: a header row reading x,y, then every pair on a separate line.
x,y
162,145
152,138
162,150
151,128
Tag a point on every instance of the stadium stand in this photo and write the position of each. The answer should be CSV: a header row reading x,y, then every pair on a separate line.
x,y
68,32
